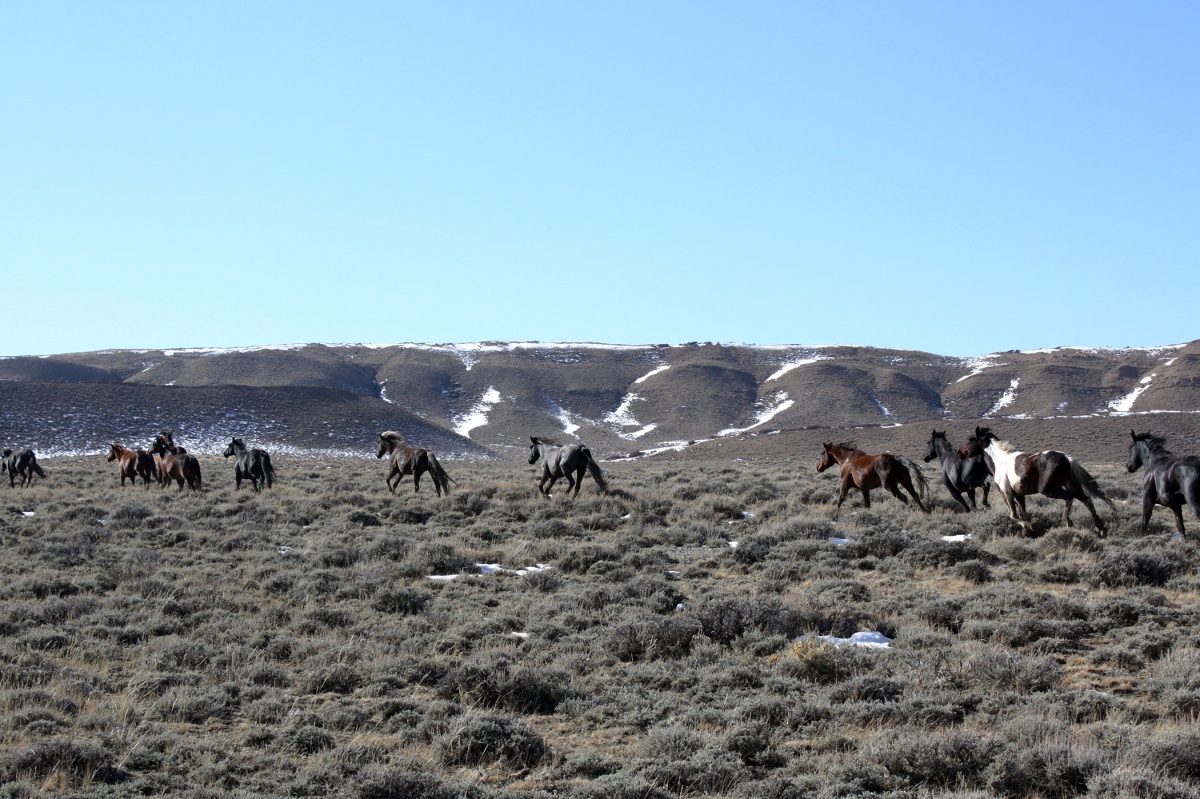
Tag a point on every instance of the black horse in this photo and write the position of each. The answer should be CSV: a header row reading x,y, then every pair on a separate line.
x,y
1170,480
562,462
963,470
23,463
251,464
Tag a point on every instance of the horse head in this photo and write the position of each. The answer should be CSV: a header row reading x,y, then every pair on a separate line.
x,y
535,449
114,452
234,446
388,441
931,450
826,460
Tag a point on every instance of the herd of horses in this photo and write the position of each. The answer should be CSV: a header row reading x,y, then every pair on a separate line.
x,y
1169,480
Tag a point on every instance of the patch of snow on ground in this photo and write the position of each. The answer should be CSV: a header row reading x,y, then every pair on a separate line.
x,y
477,416
494,568
383,393
209,351
564,418
1125,404
636,434
790,365
778,403
623,415
875,640
841,542
1006,398
652,373
953,538
881,406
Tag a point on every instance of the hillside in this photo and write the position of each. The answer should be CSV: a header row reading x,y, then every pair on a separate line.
x,y
484,400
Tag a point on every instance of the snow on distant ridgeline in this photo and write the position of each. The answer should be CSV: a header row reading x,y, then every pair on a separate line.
x,y
478,415
769,408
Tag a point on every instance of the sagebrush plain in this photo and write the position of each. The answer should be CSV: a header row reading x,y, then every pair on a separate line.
x,y
664,643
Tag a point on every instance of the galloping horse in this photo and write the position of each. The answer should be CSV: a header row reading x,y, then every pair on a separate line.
x,y
1170,480
23,463
1050,473
962,470
411,460
174,463
251,464
132,464
873,471
563,461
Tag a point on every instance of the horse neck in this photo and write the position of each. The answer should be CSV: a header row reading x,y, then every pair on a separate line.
x,y
943,449
1151,455
840,453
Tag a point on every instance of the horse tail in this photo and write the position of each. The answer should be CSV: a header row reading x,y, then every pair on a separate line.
x,y
439,474
594,469
268,470
915,471
33,464
1088,483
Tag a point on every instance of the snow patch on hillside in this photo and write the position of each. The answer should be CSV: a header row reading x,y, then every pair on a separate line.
x,y
478,415
790,365
768,410
1006,398
209,351
564,418
652,373
977,365
1125,404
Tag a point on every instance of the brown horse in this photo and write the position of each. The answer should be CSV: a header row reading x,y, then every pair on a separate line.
x,y
174,463
1050,473
407,460
132,464
866,472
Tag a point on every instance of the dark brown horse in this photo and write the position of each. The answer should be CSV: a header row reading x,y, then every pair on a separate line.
x,y
174,463
1050,473
132,464
1170,480
865,472
21,464
405,460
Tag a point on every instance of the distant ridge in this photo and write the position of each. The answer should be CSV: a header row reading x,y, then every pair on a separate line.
x,y
485,399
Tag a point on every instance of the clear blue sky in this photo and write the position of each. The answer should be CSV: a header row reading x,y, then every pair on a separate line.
x,y
955,177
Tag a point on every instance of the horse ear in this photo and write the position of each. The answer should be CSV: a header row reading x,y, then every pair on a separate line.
x,y
1132,434
533,439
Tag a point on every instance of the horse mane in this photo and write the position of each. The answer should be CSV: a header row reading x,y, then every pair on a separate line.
x,y
392,435
847,445
549,442
1003,446
1157,444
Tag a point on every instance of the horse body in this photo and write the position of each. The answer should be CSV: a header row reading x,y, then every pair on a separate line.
x,y
405,460
250,464
866,472
23,464
963,470
174,463
1050,473
1170,480
564,461
132,464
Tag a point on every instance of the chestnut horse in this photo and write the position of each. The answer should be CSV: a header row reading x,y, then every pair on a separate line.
x,y
132,464
405,460
174,463
1050,473
866,472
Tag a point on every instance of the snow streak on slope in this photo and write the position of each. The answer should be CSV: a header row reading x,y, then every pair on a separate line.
x,y
477,416
778,403
652,373
789,366
1006,398
1125,404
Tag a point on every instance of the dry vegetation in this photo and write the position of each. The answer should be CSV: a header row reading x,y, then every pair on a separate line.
x,y
292,644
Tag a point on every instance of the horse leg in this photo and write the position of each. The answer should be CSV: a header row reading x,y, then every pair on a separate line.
x,y
985,495
1091,506
1178,510
417,472
906,481
843,490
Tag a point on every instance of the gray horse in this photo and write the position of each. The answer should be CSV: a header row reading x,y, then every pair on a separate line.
x,y
250,464
563,461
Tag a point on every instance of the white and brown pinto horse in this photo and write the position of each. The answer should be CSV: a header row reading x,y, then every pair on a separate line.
x,y
1050,473
133,464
